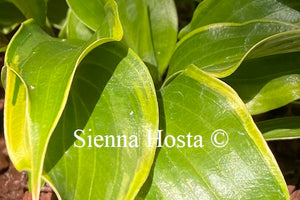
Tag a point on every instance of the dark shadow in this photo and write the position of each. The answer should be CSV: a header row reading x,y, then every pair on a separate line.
x,y
90,79
291,4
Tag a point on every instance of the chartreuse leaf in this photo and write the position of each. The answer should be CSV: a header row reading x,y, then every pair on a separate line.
x,y
75,29
150,27
10,16
215,11
280,128
40,70
112,95
228,160
278,92
36,9
220,48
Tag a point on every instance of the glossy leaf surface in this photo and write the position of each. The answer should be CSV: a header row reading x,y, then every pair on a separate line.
x,y
112,99
75,29
233,161
220,48
150,27
38,85
81,110
215,11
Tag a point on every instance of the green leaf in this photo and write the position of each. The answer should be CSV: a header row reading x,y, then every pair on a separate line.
x,y
75,29
234,161
163,24
276,93
150,27
267,83
3,76
220,48
90,12
10,16
280,128
112,94
3,43
57,12
212,11
36,9
40,70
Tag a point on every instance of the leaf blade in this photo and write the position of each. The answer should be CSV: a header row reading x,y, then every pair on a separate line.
x,y
220,48
280,128
271,86
150,27
121,106
211,11
190,102
34,66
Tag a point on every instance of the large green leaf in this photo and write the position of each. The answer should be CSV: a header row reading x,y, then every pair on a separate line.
x,y
112,94
280,128
10,16
150,27
40,70
220,48
215,11
234,161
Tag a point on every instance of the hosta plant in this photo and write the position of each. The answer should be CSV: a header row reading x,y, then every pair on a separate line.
x,y
108,99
